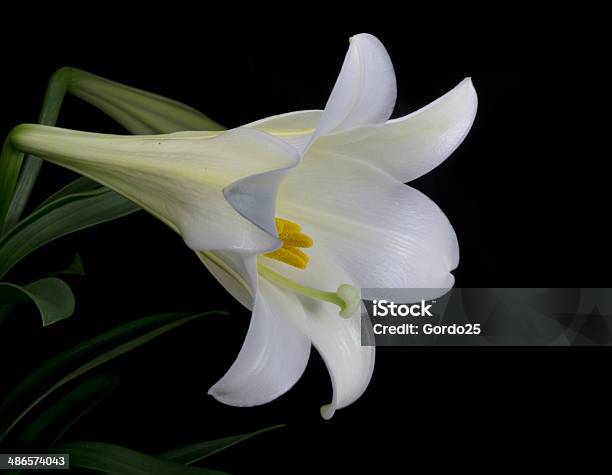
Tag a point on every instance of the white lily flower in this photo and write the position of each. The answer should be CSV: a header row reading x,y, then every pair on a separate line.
x,y
369,230
340,221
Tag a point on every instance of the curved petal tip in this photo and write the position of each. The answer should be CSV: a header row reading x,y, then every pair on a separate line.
x,y
328,411
365,91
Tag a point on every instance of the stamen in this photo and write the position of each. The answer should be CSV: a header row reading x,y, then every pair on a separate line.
x,y
290,255
286,225
346,297
293,239
296,239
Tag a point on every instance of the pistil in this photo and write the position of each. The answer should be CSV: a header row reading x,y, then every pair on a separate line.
x,y
346,296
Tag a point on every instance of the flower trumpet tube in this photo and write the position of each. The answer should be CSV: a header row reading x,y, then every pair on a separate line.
x,y
311,213
202,185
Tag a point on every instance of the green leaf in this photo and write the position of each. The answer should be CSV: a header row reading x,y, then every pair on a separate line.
x,y
139,111
196,452
10,166
82,358
63,216
13,204
113,459
52,297
80,185
49,426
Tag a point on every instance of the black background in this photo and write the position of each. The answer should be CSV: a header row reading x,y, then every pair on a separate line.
x,y
526,193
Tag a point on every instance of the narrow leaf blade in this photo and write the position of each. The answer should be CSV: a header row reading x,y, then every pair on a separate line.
x,y
80,185
196,452
82,358
58,218
29,168
141,112
48,426
11,161
119,460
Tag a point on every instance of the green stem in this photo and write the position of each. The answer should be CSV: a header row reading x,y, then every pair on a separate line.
x,y
56,90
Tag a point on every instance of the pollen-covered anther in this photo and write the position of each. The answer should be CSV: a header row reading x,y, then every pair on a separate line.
x,y
293,239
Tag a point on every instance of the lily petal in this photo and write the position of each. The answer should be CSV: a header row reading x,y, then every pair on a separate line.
x,y
384,233
254,196
201,184
275,352
350,365
365,91
364,95
337,339
411,146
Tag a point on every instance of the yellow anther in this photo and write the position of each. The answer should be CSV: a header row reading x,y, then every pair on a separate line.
x,y
296,239
293,239
290,255
284,225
